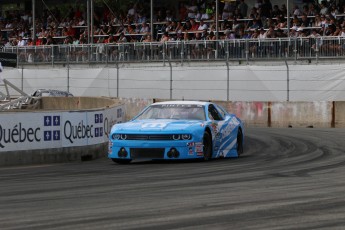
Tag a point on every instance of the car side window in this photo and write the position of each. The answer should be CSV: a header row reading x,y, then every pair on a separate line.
x,y
214,114
222,111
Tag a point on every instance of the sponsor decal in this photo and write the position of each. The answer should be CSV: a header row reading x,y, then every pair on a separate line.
x,y
190,144
199,147
110,147
190,152
200,154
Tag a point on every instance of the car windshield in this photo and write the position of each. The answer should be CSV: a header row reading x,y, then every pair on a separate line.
x,y
173,111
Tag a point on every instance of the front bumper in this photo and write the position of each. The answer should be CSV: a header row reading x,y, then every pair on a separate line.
x,y
155,150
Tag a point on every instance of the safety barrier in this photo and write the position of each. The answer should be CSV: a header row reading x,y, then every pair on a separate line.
x,y
300,48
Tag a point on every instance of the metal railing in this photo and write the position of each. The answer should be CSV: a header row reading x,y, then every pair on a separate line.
x,y
180,51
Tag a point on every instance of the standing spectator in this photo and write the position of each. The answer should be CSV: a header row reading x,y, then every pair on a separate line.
x,y
266,9
258,3
169,16
192,9
243,7
334,11
311,10
297,11
283,9
182,11
323,8
159,16
276,12
305,22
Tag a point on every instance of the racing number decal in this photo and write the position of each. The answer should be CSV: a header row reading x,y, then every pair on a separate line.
x,y
153,125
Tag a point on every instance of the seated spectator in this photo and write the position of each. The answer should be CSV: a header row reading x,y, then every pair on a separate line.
x,y
256,24
194,25
20,41
147,38
179,27
144,28
165,37
202,25
187,25
205,15
317,21
122,38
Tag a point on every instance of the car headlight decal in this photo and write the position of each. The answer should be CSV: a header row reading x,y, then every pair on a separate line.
x,y
123,136
176,137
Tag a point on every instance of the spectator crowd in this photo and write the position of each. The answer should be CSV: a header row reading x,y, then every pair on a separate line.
x,y
194,20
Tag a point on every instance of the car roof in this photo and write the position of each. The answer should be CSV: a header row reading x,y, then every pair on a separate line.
x,y
181,103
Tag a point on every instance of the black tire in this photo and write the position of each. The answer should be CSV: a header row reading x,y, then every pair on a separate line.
x,y
239,142
207,142
121,161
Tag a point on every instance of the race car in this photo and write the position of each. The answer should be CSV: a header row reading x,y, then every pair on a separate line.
x,y
176,130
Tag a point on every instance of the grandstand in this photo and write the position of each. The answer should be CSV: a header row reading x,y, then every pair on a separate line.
x,y
123,57
128,32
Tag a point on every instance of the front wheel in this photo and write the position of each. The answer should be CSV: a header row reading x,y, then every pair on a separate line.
x,y
239,142
207,142
121,161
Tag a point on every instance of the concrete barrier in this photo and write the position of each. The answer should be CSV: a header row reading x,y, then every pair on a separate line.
x,y
254,114
80,132
275,114
339,114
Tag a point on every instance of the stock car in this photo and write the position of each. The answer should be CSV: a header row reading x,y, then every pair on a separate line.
x,y
175,130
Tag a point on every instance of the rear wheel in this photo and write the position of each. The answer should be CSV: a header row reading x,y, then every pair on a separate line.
x,y
207,142
121,161
239,142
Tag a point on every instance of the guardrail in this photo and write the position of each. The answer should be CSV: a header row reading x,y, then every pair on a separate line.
x,y
200,50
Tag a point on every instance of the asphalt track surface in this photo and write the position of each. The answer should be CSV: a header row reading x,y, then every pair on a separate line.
x,y
287,179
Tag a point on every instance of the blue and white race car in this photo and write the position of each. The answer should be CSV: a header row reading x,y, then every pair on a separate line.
x,y
178,130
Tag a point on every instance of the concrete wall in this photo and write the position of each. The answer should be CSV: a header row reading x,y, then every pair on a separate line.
x,y
274,114
339,113
47,156
79,103
16,149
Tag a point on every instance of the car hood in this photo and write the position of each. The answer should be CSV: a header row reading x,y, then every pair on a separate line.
x,y
157,125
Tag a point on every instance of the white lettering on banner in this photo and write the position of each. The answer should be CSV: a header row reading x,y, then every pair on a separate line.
x,y
27,131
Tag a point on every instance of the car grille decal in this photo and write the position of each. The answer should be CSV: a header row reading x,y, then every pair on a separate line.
x,y
154,137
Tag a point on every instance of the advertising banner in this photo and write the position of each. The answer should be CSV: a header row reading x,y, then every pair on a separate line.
x,y
8,59
32,130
